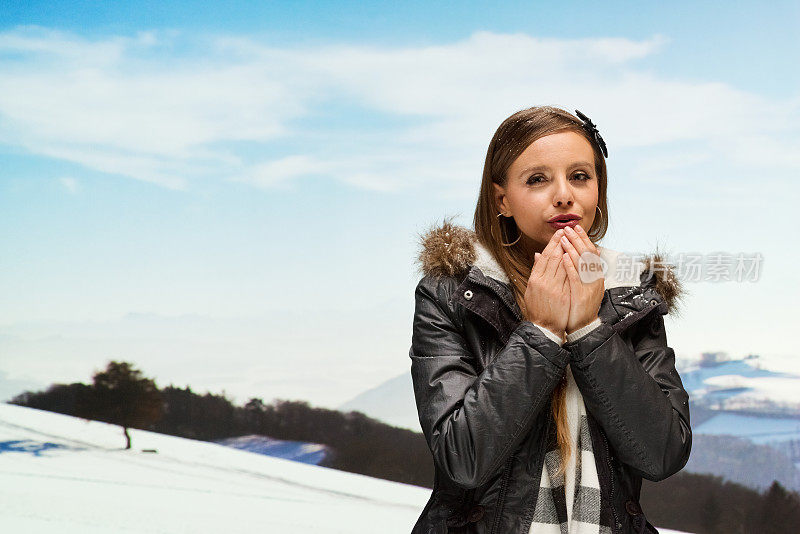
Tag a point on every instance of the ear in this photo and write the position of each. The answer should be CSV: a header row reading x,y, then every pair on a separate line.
x,y
500,198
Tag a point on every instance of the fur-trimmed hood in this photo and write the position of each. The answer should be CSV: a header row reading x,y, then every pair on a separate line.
x,y
450,250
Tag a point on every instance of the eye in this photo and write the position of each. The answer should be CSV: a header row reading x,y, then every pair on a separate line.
x,y
538,178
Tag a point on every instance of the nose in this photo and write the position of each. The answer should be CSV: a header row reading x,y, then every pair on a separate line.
x,y
563,194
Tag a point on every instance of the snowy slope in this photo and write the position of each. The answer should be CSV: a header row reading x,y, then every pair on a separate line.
x,y
68,475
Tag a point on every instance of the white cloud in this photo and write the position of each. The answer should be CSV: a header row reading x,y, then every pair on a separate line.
x,y
133,107
278,172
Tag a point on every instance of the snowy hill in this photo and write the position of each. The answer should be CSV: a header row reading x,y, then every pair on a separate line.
x,y
71,475
65,474
741,384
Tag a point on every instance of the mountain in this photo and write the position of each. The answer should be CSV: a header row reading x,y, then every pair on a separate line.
x,y
391,402
742,461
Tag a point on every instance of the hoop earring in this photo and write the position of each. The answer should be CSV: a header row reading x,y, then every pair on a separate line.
x,y
601,216
501,231
601,211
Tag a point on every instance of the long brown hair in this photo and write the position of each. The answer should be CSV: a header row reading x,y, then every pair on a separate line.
x,y
512,137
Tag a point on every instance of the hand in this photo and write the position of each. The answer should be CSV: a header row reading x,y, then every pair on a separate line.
x,y
547,297
585,297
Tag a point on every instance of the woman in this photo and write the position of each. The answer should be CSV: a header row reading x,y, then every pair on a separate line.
x,y
544,385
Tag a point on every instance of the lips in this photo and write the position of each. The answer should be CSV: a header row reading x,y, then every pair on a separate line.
x,y
564,218
562,221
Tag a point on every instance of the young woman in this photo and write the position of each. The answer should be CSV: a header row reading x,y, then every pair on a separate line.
x,y
544,384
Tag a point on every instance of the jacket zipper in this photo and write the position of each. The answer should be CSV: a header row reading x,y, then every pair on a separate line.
x,y
501,497
611,472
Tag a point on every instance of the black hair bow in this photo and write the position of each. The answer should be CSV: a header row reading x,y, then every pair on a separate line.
x,y
589,126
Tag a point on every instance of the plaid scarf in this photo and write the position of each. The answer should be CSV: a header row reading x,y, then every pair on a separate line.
x,y
571,503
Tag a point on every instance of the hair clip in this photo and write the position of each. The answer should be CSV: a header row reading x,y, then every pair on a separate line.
x,y
589,126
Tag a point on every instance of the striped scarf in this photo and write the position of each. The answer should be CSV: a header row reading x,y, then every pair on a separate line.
x,y
570,504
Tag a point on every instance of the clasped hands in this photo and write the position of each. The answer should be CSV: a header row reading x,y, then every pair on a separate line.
x,y
556,297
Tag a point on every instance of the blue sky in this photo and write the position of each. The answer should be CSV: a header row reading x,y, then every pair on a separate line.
x,y
229,194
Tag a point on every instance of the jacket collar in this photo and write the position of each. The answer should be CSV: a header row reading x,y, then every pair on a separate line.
x,y
452,250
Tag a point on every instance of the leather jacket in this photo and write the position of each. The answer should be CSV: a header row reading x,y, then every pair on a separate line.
x,y
483,379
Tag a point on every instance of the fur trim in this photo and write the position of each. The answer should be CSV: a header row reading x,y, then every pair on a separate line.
x,y
448,249
668,285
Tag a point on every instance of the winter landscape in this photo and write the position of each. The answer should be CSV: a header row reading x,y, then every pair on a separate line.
x,y
69,475
229,197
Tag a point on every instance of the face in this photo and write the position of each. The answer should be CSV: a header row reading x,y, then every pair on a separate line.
x,y
554,176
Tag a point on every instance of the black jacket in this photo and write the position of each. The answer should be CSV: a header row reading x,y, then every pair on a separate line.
x,y
483,379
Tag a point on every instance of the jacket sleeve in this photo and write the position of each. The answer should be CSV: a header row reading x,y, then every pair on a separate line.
x,y
636,395
473,421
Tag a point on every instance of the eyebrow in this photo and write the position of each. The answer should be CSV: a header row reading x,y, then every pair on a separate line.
x,y
546,168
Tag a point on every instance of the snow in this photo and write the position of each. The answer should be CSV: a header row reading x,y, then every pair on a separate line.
x,y
741,383
70,475
88,483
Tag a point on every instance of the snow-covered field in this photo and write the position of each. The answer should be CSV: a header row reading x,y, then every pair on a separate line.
x,y
85,482
68,475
